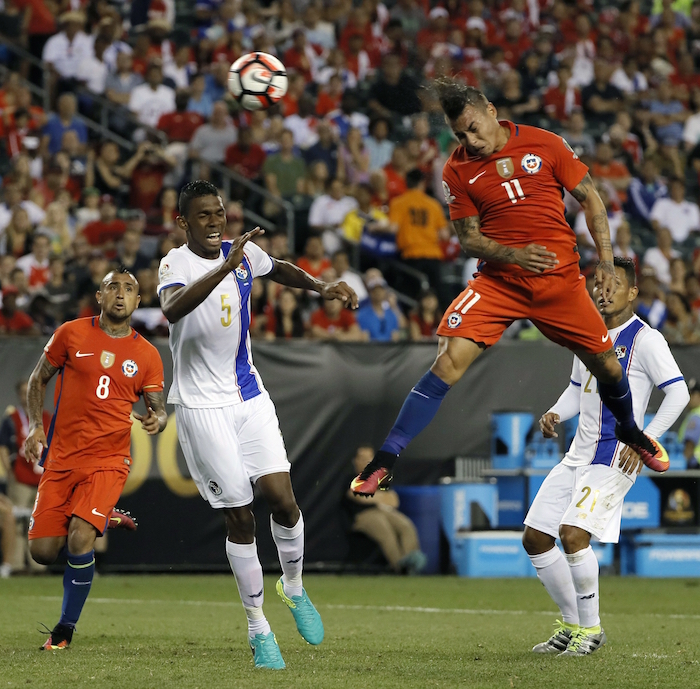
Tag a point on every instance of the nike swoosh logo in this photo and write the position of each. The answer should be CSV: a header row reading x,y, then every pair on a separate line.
x,y
81,583
80,354
473,179
257,79
115,519
291,562
606,338
257,595
98,514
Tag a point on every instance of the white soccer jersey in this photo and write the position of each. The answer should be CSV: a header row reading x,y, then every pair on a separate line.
x,y
212,361
645,356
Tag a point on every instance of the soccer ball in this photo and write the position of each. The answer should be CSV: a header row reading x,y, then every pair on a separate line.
x,y
257,80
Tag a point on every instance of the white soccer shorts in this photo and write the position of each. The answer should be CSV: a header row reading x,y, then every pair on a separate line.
x,y
227,449
589,497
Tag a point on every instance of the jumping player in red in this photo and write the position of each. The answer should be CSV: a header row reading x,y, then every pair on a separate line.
x,y
105,366
503,186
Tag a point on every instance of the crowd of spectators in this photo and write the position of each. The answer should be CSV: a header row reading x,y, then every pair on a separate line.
x,y
355,148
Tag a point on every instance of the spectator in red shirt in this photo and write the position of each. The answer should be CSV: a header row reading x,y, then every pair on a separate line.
x,y
606,167
151,163
560,101
12,320
424,320
301,56
331,321
396,171
329,97
514,42
684,79
295,89
107,231
436,31
181,124
245,156
314,262
35,265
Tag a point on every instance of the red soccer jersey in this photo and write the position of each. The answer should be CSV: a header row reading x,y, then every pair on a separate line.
x,y
517,193
101,378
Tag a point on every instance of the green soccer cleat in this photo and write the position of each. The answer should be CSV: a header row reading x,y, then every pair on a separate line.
x,y
308,620
559,641
266,652
584,641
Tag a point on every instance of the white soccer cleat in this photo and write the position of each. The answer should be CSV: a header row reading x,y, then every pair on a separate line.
x,y
559,641
585,640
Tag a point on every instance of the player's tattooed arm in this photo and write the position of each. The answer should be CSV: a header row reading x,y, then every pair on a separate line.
x,y
36,392
286,273
156,419
597,220
533,257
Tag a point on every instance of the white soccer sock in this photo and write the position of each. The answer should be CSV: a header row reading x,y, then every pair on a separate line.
x,y
555,576
247,570
584,571
290,548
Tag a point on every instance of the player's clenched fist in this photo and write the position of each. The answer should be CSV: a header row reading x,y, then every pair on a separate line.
x,y
34,444
547,423
536,258
340,290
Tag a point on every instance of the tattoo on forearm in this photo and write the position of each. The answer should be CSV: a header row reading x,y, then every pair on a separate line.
x,y
596,215
154,400
476,244
580,193
36,390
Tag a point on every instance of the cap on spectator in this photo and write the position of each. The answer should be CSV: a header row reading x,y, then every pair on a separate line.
x,y
107,198
135,214
9,289
376,282
438,12
31,143
72,16
476,23
91,191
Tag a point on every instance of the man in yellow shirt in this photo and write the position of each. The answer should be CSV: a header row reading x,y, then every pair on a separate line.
x,y
421,224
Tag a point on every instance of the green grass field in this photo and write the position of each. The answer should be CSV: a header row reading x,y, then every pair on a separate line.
x,y
189,631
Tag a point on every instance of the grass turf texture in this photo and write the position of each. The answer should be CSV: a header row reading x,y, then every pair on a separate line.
x,y
189,631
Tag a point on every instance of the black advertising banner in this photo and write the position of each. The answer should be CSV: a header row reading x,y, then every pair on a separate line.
x,y
330,399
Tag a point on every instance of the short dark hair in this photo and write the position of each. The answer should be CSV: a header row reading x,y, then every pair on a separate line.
x,y
454,97
630,268
194,190
414,178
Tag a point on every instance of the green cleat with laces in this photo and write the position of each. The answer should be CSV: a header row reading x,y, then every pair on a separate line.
x,y
306,616
266,652
584,641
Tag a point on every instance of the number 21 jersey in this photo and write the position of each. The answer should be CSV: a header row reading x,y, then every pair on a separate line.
x,y
517,194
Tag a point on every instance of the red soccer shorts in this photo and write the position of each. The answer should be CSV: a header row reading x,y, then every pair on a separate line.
x,y
89,494
558,304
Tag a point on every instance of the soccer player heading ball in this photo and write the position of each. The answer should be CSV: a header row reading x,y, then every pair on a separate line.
x,y
503,186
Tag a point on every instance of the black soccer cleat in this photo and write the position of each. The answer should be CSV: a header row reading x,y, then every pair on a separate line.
x,y
59,638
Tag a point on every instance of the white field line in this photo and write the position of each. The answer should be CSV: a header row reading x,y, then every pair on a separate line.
x,y
367,608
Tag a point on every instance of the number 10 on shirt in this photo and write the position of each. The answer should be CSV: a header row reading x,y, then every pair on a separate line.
x,y
508,186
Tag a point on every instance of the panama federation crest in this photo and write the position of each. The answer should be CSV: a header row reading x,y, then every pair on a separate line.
x,y
129,368
620,351
241,272
531,163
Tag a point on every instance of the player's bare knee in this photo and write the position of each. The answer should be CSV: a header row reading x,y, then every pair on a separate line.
x,y
286,513
240,524
43,553
573,539
536,542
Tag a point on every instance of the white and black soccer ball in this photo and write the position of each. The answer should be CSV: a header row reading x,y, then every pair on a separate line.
x,y
257,80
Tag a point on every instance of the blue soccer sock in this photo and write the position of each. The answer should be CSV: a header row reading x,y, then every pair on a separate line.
x,y
618,399
77,582
417,412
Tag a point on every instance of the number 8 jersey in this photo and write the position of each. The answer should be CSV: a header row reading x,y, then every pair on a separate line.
x,y
212,360
101,377
517,194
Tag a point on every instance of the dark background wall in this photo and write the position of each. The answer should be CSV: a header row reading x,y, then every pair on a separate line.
x,y
330,399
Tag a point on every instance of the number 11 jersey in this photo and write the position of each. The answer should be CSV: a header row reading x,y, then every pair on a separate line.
x,y
517,194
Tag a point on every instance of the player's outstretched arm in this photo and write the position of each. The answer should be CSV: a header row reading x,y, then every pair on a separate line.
x,y
176,302
597,220
532,257
156,419
292,276
36,391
